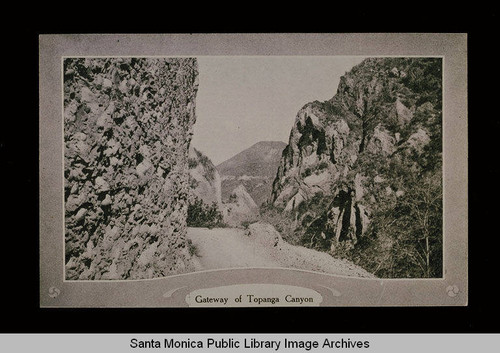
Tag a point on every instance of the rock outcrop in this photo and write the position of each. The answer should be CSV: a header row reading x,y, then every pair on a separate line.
x,y
240,207
254,168
264,234
204,179
347,154
127,129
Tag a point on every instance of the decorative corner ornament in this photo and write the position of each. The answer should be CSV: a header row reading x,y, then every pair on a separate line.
x,y
452,290
54,292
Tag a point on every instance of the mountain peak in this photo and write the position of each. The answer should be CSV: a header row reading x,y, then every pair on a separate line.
x,y
257,160
255,168
274,144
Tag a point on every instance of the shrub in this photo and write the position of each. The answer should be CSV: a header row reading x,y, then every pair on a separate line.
x,y
307,172
192,163
245,224
202,215
192,249
323,165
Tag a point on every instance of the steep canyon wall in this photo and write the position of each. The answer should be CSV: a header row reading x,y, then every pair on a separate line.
x,y
127,130
364,155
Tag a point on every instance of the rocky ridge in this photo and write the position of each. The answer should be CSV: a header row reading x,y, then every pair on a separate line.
x,y
360,149
204,179
127,129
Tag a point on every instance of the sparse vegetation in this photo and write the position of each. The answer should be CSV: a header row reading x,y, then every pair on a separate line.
x,y
246,224
192,163
207,165
281,221
193,249
322,165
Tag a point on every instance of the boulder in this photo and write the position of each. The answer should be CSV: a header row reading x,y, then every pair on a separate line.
x,y
264,234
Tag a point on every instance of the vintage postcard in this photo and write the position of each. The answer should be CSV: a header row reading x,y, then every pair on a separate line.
x,y
238,170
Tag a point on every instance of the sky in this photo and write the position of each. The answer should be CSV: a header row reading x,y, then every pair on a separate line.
x,y
242,100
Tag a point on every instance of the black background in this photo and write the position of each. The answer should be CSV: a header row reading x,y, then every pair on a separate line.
x,y
19,169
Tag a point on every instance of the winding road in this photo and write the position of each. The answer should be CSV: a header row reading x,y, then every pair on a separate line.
x,y
223,248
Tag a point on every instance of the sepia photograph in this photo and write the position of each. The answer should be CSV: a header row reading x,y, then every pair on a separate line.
x,y
356,190
210,177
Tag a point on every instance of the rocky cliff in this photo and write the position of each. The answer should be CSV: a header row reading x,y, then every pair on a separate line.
x,y
254,168
357,157
127,129
204,179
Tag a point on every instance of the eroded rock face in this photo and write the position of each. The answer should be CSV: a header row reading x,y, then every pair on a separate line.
x,y
336,170
319,151
240,207
127,129
204,179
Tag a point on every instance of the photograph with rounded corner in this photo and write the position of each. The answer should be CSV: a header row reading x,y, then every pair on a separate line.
x,y
174,174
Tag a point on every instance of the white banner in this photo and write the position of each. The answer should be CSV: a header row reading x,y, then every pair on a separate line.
x,y
249,343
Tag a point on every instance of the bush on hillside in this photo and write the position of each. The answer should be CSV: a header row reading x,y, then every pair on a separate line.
x,y
202,215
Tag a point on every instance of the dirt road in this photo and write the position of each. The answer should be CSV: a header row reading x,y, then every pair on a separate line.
x,y
261,246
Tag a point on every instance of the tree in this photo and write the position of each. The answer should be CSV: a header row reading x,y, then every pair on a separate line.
x,y
406,235
421,212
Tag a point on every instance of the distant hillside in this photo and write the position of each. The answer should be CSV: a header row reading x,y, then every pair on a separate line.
x,y
255,168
